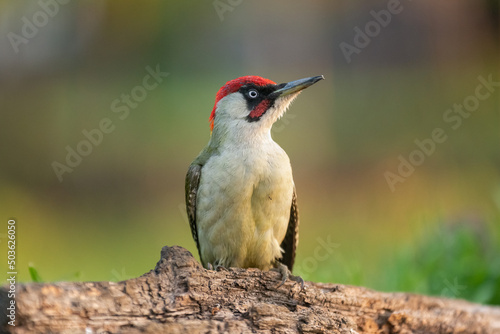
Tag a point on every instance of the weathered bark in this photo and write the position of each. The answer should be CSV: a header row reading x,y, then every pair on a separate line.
x,y
179,296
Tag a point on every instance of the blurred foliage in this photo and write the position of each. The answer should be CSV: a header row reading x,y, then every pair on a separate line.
x,y
35,277
457,261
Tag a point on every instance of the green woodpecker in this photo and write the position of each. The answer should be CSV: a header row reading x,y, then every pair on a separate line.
x,y
240,194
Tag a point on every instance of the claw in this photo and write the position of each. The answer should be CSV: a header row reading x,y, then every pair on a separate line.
x,y
216,266
219,267
298,279
287,274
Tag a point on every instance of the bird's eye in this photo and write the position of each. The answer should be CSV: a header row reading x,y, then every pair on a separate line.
x,y
253,93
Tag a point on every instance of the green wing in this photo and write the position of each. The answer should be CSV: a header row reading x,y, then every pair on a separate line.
x,y
192,182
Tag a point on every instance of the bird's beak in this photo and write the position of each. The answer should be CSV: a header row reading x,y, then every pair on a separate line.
x,y
296,86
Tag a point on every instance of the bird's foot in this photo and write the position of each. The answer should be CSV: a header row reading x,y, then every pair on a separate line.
x,y
217,267
287,274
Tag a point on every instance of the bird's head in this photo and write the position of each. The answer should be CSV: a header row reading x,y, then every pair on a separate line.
x,y
252,103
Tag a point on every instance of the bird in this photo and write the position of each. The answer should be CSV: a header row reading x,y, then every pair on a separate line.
x,y
240,195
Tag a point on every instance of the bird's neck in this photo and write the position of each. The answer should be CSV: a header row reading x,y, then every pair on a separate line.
x,y
240,138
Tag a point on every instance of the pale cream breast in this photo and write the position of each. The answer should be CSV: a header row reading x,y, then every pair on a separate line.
x,y
243,206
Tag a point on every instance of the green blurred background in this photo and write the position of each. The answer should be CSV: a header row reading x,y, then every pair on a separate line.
x,y
438,232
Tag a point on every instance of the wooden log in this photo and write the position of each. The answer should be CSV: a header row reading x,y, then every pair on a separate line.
x,y
179,296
